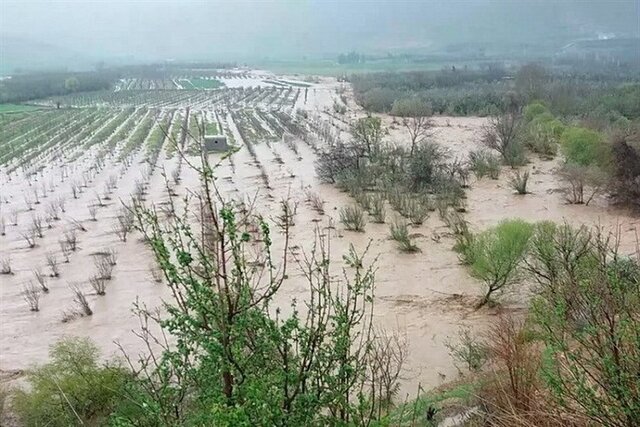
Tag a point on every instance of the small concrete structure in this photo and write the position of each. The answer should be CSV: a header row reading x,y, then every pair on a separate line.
x,y
215,143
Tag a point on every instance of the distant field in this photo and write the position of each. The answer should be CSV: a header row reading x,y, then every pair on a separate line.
x,y
285,83
15,108
332,68
186,84
200,83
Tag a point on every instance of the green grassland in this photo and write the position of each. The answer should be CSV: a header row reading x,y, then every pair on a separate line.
x,y
201,83
17,108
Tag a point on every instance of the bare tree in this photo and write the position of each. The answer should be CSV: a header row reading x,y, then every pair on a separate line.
x,y
502,133
52,262
30,238
156,273
41,279
52,211
104,267
75,190
62,202
71,239
124,224
99,201
80,300
66,250
77,225
387,357
92,212
416,118
13,216
36,225
111,255
5,266
99,284
31,295
583,182
28,203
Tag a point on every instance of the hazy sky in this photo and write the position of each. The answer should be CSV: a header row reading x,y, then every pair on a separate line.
x,y
150,29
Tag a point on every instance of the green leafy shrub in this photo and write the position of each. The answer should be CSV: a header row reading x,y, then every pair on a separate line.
x,y
518,182
353,218
377,208
416,209
469,350
72,389
587,316
533,110
399,232
495,255
584,147
483,163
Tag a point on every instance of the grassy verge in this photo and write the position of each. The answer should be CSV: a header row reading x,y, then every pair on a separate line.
x,y
447,400
17,108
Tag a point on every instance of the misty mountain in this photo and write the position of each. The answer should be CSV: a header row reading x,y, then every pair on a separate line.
x,y
82,33
23,54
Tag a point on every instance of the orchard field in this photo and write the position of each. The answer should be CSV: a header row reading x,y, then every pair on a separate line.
x,y
72,262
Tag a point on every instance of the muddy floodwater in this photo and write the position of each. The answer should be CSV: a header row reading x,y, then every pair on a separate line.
x,y
426,296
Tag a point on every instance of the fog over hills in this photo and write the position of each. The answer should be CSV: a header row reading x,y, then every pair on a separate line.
x,y
78,33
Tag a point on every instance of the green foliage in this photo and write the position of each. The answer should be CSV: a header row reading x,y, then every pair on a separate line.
x,y
533,110
399,232
339,108
483,163
584,147
410,107
377,208
25,87
530,80
425,166
353,218
72,389
542,131
504,134
468,350
495,255
587,316
448,92
237,359
518,182
367,133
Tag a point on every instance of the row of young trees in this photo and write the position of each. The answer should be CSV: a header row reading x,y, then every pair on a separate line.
x,y
222,352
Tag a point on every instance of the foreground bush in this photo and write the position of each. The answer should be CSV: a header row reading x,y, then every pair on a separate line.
x,y
72,389
238,359
587,314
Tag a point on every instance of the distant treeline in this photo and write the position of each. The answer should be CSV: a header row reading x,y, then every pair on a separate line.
x,y
458,92
492,90
168,70
27,87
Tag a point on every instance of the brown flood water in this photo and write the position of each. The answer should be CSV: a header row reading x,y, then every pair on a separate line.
x,y
425,296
